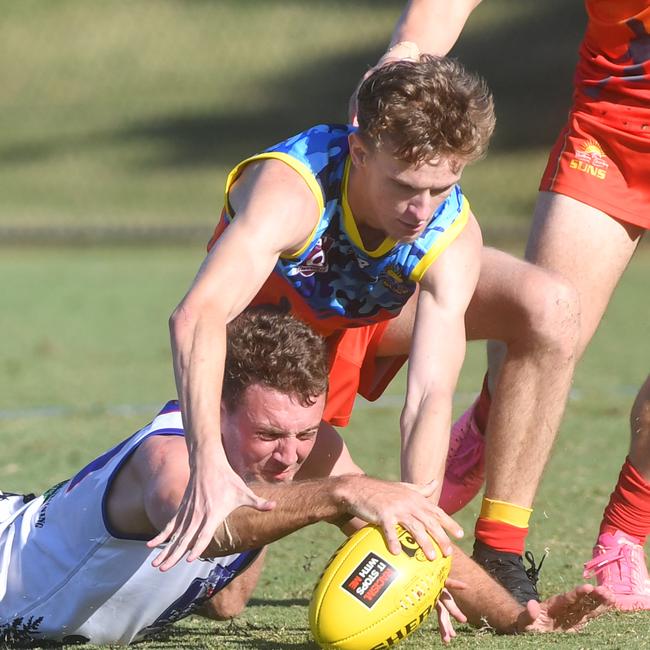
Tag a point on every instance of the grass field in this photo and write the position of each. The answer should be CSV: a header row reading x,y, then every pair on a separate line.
x,y
130,114
127,115
86,363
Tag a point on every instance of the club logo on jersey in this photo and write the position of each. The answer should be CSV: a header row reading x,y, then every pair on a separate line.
x,y
316,261
370,580
394,281
590,159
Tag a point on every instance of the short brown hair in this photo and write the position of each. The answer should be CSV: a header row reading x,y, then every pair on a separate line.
x,y
426,108
269,347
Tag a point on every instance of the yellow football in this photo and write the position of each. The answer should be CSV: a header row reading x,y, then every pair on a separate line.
x,y
368,599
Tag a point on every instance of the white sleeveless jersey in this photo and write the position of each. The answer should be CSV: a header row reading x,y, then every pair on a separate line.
x,y
65,576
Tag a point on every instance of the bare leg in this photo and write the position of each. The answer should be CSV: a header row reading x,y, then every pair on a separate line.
x,y
640,429
535,314
231,600
590,250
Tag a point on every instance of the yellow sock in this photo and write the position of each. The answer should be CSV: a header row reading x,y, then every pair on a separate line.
x,y
508,513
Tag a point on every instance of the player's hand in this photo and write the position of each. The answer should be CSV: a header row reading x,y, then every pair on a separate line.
x,y
446,607
212,493
567,612
386,504
405,50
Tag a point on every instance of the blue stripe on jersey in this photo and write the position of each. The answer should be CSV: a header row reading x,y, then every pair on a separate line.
x,y
106,457
333,273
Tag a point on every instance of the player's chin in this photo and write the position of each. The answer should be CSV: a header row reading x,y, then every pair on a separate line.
x,y
279,475
409,237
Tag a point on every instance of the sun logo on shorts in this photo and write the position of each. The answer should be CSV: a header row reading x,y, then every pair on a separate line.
x,y
590,159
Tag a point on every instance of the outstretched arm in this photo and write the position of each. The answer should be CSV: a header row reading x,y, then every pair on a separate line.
x,y
425,27
486,603
152,484
275,212
436,357
334,500
432,25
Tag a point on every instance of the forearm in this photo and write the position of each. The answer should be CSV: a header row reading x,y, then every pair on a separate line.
x,y
425,426
433,25
297,505
199,349
484,601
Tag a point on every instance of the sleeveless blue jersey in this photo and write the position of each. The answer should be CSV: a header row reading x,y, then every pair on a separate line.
x,y
333,282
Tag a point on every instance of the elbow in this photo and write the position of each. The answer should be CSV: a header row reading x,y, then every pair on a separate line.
x,y
429,403
182,321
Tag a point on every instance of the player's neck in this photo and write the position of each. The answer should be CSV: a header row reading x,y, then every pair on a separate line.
x,y
362,212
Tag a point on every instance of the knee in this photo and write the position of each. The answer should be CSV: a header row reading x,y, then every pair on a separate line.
x,y
223,609
640,414
552,313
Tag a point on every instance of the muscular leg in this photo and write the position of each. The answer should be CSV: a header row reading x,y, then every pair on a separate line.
x,y
640,430
586,247
535,314
590,250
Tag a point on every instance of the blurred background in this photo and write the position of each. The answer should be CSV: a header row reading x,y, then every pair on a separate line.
x,y
120,119
119,122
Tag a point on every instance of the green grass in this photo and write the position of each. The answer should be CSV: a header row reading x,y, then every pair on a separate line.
x,y
85,331
130,113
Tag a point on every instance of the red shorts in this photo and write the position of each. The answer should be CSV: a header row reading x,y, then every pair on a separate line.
x,y
353,369
602,159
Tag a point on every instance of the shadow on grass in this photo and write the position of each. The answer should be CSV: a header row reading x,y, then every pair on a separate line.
x,y
234,634
529,76
278,602
528,62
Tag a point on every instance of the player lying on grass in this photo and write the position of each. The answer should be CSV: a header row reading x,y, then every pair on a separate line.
x,y
365,234
74,565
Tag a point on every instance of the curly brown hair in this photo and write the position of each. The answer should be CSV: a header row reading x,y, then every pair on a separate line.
x,y
426,108
267,346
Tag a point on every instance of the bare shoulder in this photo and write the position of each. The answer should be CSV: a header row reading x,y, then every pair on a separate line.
x,y
160,467
271,178
158,454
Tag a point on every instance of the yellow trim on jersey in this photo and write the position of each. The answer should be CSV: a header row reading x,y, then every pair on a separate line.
x,y
508,513
295,164
443,242
351,225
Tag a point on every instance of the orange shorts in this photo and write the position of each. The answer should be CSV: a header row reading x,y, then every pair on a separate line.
x,y
353,369
601,159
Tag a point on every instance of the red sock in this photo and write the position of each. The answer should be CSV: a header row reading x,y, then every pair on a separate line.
x,y
501,536
482,409
628,509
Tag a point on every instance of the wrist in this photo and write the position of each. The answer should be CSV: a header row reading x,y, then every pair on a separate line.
x,y
339,492
207,453
403,50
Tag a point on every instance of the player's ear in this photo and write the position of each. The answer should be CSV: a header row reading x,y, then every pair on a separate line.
x,y
359,151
